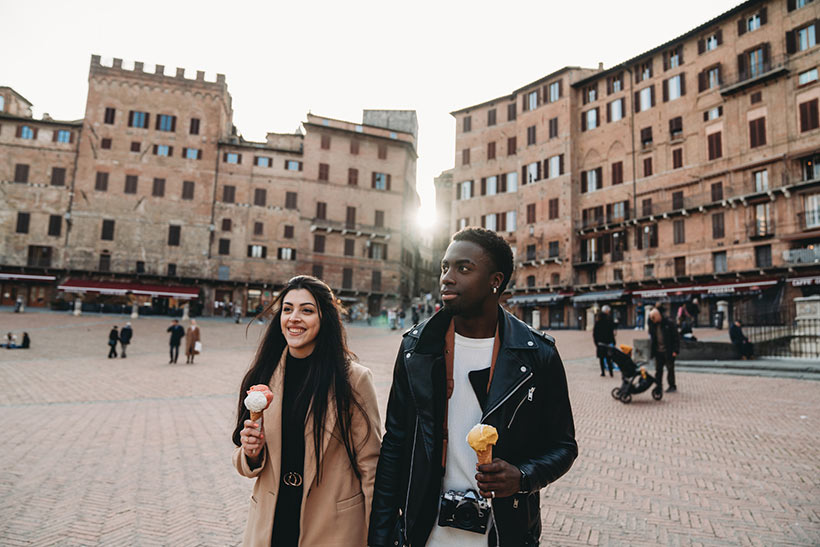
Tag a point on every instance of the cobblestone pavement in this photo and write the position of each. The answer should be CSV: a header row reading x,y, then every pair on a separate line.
x,y
136,451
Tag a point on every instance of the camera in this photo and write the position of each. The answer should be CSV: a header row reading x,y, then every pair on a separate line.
x,y
464,510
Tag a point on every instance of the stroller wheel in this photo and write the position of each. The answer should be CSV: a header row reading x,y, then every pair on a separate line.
x,y
657,394
626,398
616,393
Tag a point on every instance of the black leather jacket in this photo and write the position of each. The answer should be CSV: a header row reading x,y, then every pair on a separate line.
x,y
528,404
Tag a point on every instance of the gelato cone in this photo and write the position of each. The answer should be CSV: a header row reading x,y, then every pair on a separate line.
x,y
481,438
258,399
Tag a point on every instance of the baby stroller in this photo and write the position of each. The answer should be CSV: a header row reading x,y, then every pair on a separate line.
x,y
635,378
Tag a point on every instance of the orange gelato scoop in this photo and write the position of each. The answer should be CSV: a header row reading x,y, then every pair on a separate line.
x,y
481,438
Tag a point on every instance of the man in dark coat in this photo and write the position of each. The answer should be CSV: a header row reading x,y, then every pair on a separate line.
x,y
604,333
664,347
177,334
472,362
742,345
113,338
125,337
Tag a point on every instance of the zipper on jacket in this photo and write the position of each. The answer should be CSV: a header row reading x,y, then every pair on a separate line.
x,y
510,394
527,398
410,476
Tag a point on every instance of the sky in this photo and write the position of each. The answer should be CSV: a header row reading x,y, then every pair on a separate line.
x,y
285,59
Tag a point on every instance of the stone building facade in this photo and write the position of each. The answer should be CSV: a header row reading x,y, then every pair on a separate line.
x,y
687,171
156,187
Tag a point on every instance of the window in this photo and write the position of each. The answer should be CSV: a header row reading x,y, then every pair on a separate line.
x,y
467,124
750,23
347,278
224,247
131,184
286,253
806,37
288,232
553,249
763,256
645,99
511,182
317,270
26,132
679,231
39,256
533,172
229,193
378,251
807,77
717,191
58,176
107,232
711,42
324,171
532,100
466,188
680,266
194,128
553,208
382,151
713,113
174,235
753,63
105,144
531,135
21,172
232,157
617,173
673,58
676,128
511,146
709,78
719,263
260,197
614,84
350,247
325,142
674,88
553,127
354,147
23,222
530,281
158,189
646,137
465,156
187,189
166,123
511,112
489,221
530,213
135,146
591,180
761,179
615,110
110,113
756,97
290,200
138,119
491,150
350,217
378,221
101,182
261,161
293,165
381,181
490,186
650,237
715,146
677,158
163,150
226,225
809,119
644,72
258,228
352,177
318,243
647,167
66,137
554,166
554,91
172,270
321,210
718,228
677,200
589,119
591,94
757,132
646,207
105,262
491,117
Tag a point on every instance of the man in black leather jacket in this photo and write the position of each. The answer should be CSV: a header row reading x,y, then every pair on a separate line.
x,y
526,401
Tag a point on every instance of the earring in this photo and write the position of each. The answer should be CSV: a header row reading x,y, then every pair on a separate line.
x,y
495,290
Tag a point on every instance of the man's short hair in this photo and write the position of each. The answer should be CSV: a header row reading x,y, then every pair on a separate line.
x,y
495,246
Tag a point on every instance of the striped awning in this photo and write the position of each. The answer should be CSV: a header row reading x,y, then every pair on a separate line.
x,y
121,288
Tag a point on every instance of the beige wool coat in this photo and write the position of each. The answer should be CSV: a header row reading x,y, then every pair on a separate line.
x,y
335,509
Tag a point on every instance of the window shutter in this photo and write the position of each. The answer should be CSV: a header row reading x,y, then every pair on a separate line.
x,y
524,102
766,55
156,124
199,154
741,64
666,91
54,135
171,152
741,26
373,180
583,182
547,168
804,116
300,166
483,186
665,61
608,112
71,137
388,182
608,85
763,17
636,102
791,5
239,158
652,93
155,149
583,121
682,83
599,176
560,88
561,164
523,175
680,54
173,123
483,221
719,36
597,115
701,81
472,189
502,186
608,212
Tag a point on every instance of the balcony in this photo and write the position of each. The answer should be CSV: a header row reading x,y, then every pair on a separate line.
x,y
588,260
755,74
539,258
330,226
807,255
602,222
761,229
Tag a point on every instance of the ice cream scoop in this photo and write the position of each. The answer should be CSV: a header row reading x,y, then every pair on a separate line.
x,y
481,438
258,399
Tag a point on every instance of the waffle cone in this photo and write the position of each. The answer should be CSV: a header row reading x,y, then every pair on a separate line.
x,y
255,416
485,456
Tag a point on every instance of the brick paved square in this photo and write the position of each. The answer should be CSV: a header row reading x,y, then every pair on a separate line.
x,y
135,451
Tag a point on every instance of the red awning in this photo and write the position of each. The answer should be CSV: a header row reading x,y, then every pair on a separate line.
x,y
709,288
804,281
27,277
116,287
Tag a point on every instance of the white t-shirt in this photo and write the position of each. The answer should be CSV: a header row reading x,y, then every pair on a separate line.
x,y
463,413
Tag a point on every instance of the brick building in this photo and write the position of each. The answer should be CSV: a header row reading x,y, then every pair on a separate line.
x,y
155,198
687,171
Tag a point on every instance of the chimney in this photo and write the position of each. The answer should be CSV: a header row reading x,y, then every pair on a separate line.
x,y
600,67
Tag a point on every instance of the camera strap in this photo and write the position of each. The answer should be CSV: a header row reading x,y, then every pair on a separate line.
x,y
449,355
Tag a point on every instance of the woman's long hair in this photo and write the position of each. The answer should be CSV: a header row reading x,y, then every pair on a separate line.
x,y
329,373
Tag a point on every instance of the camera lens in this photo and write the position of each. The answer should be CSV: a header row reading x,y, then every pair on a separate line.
x,y
466,514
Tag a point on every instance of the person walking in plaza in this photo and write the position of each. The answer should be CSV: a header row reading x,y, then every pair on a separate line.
x,y
177,333
744,348
486,366
192,342
604,333
314,451
639,311
113,339
664,347
125,337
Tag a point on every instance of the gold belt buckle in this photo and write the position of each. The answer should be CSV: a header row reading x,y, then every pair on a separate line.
x,y
292,478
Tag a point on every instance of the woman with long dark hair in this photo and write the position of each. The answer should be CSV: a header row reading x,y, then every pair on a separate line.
x,y
314,455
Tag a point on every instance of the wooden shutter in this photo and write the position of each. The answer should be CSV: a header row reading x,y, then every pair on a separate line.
x,y
702,80
719,35
173,123
388,182
583,121
199,154
637,101
767,57
524,102
682,83
483,186
502,183
665,60
791,42
680,54
666,91
791,5
599,176
741,26
652,93
741,65
763,16
373,180
560,88
583,182
156,124
523,175
608,112
560,164
472,189
547,168
483,221
538,171
598,116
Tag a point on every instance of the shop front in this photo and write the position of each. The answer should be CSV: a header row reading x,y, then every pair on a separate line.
x,y
29,289
540,311
125,297
586,305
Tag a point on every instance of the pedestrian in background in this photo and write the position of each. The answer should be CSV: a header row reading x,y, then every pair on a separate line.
x,y
177,333
26,344
125,337
113,339
192,342
604,333
664,346
741,343
639,311
402,316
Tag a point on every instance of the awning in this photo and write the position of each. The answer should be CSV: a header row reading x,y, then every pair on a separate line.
x,y
601,296
525,299
27,277
116,287
804,281
713,288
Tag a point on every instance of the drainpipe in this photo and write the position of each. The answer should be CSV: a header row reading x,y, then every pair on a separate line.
x,y
69,220
632,138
